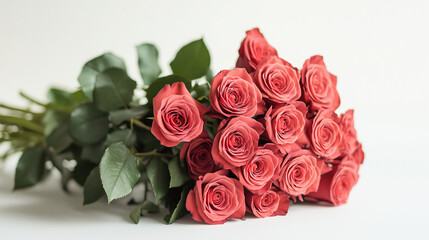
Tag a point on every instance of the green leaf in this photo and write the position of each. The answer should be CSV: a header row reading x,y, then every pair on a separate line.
x,y
53,119
93,188
147,206
147,140
127,136
82,171
180,209
30,168
60,139
64,98
192,61
200,91
118,169
148,62
177,172
92,68
94,152
88,125
113,89
118,116
159,83
157,172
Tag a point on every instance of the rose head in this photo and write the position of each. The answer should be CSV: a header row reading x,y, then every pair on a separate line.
x,y
285,125
277,80
236,142
319,87
325,135
198,156
270,203
177,116
335,186
300,173
233,93
257,175
350,142
254,48
215,199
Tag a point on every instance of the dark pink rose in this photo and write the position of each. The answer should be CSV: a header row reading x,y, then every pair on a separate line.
x,y
198,156
177,116
236,142
325,135
258,173
319,87
335,186
215,199
270,203
350,142
300,173
254,48
284,125
278,80
233,93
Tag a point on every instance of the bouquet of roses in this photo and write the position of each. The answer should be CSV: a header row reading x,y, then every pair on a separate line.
x,y
250,139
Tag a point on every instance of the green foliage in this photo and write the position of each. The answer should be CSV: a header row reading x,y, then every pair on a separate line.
x,y
30,168
59,139
148,62
127,136
192,61
157,172
93,188
119,116
88,125
178,174
158,84
146,206
92,68
118,170
179,210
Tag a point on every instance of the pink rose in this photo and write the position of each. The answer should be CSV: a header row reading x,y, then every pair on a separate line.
x,y
257,175
177,116
300,173
285,125
236,142
233,93
198,156
325,135
318,85
215,199
254,48
358,155
350,142
278,80
270,203
335,186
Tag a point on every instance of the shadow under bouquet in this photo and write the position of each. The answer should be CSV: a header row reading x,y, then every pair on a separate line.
x,y
252,139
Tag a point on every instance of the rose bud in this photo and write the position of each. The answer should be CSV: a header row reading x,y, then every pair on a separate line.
x,y
335,186
177,116
300,173
257,175
319,87
215,199
325,135
198,156
277,80
350,142
233,93
254,48
270,203
285,125
236,142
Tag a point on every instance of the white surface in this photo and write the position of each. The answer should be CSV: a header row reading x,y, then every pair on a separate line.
x,y
378,49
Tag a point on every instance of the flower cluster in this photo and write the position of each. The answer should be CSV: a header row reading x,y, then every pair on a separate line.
x,y
275,136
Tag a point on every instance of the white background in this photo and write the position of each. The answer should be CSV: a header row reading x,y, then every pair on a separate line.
x,y
378,50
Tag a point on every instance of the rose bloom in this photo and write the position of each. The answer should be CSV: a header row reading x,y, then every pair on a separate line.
x,y
177,116
325,135
257,175
278,80
254,48
215,199
335,186
300,173
358,155
198,156
236,142
270,203
318,85
350,142
233,93
285,125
